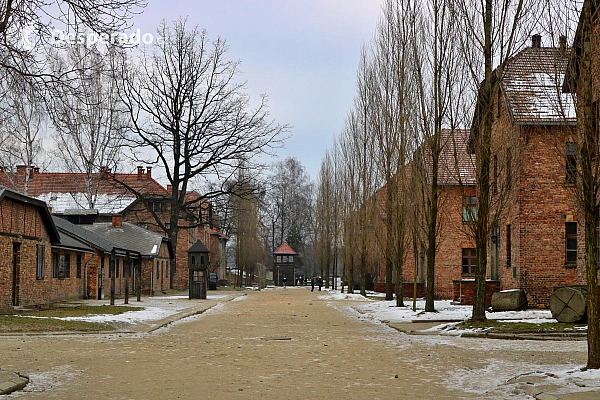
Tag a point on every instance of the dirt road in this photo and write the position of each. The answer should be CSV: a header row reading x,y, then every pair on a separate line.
x,y
275,344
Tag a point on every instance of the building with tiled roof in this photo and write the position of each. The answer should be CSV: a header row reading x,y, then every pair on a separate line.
x,y
109,194
533,165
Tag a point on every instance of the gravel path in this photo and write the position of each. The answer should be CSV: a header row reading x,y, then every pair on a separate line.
x,y
277,344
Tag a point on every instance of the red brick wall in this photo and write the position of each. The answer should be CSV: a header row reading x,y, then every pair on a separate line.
x,y
464,291
22,223
537,206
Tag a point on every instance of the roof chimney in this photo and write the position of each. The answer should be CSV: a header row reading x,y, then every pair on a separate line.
x,y
148,173
562,45
117,221
140,173
104,173
536,41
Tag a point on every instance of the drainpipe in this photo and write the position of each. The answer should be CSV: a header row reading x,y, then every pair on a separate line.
x,y
85,276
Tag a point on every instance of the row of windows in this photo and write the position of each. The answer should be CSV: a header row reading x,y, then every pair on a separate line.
x,y
285,259
157,206
61,264
469,255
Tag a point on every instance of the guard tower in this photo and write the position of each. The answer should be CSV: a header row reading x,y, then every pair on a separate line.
x,y
283,265
198,265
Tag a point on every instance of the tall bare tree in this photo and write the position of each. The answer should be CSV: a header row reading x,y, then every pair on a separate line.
x,y
491,31
21,132
88,114
191,117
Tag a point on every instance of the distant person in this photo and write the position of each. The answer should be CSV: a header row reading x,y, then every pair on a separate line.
x,y
320,282
312,284
284,281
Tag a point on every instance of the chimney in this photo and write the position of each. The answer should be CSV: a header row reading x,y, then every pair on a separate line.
x,y
117,221
140,173
536,41
148,173
21,169
562,45
104,173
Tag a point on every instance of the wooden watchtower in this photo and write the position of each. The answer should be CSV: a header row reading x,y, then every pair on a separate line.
x,y
284,265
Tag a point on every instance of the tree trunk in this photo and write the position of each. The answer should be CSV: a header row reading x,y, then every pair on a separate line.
x,y
589,190
483,175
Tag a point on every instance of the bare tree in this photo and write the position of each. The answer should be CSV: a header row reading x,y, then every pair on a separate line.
x,y
492,31
290,194
190,117
21,133
88,114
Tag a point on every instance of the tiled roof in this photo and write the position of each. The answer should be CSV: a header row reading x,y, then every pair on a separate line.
x,y
456,164
129,237
84,235
220,234
63,191
284,249
532,86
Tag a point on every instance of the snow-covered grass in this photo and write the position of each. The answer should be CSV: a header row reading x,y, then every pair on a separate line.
x,y
446,312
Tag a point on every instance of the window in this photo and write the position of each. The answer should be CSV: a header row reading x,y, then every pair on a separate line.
x,y
278,259
163,207
469,261
291,259
284,259
571,243
571,163
64,269
469,213
41,255
55,264
508,247
150,206
157,269
167,268
78,264
111,268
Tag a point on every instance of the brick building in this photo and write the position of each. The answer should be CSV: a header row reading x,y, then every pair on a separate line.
x,y
537,243
454,254
68,196
37,266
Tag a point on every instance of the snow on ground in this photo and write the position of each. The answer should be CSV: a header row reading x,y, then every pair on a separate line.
x,y
336,295
446,312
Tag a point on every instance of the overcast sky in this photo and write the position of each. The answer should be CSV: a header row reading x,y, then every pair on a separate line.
x,y
302,53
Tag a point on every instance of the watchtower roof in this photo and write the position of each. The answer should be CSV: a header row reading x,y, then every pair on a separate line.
x,y
284,250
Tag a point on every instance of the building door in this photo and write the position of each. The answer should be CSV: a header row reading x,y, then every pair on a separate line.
x,y
16,261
